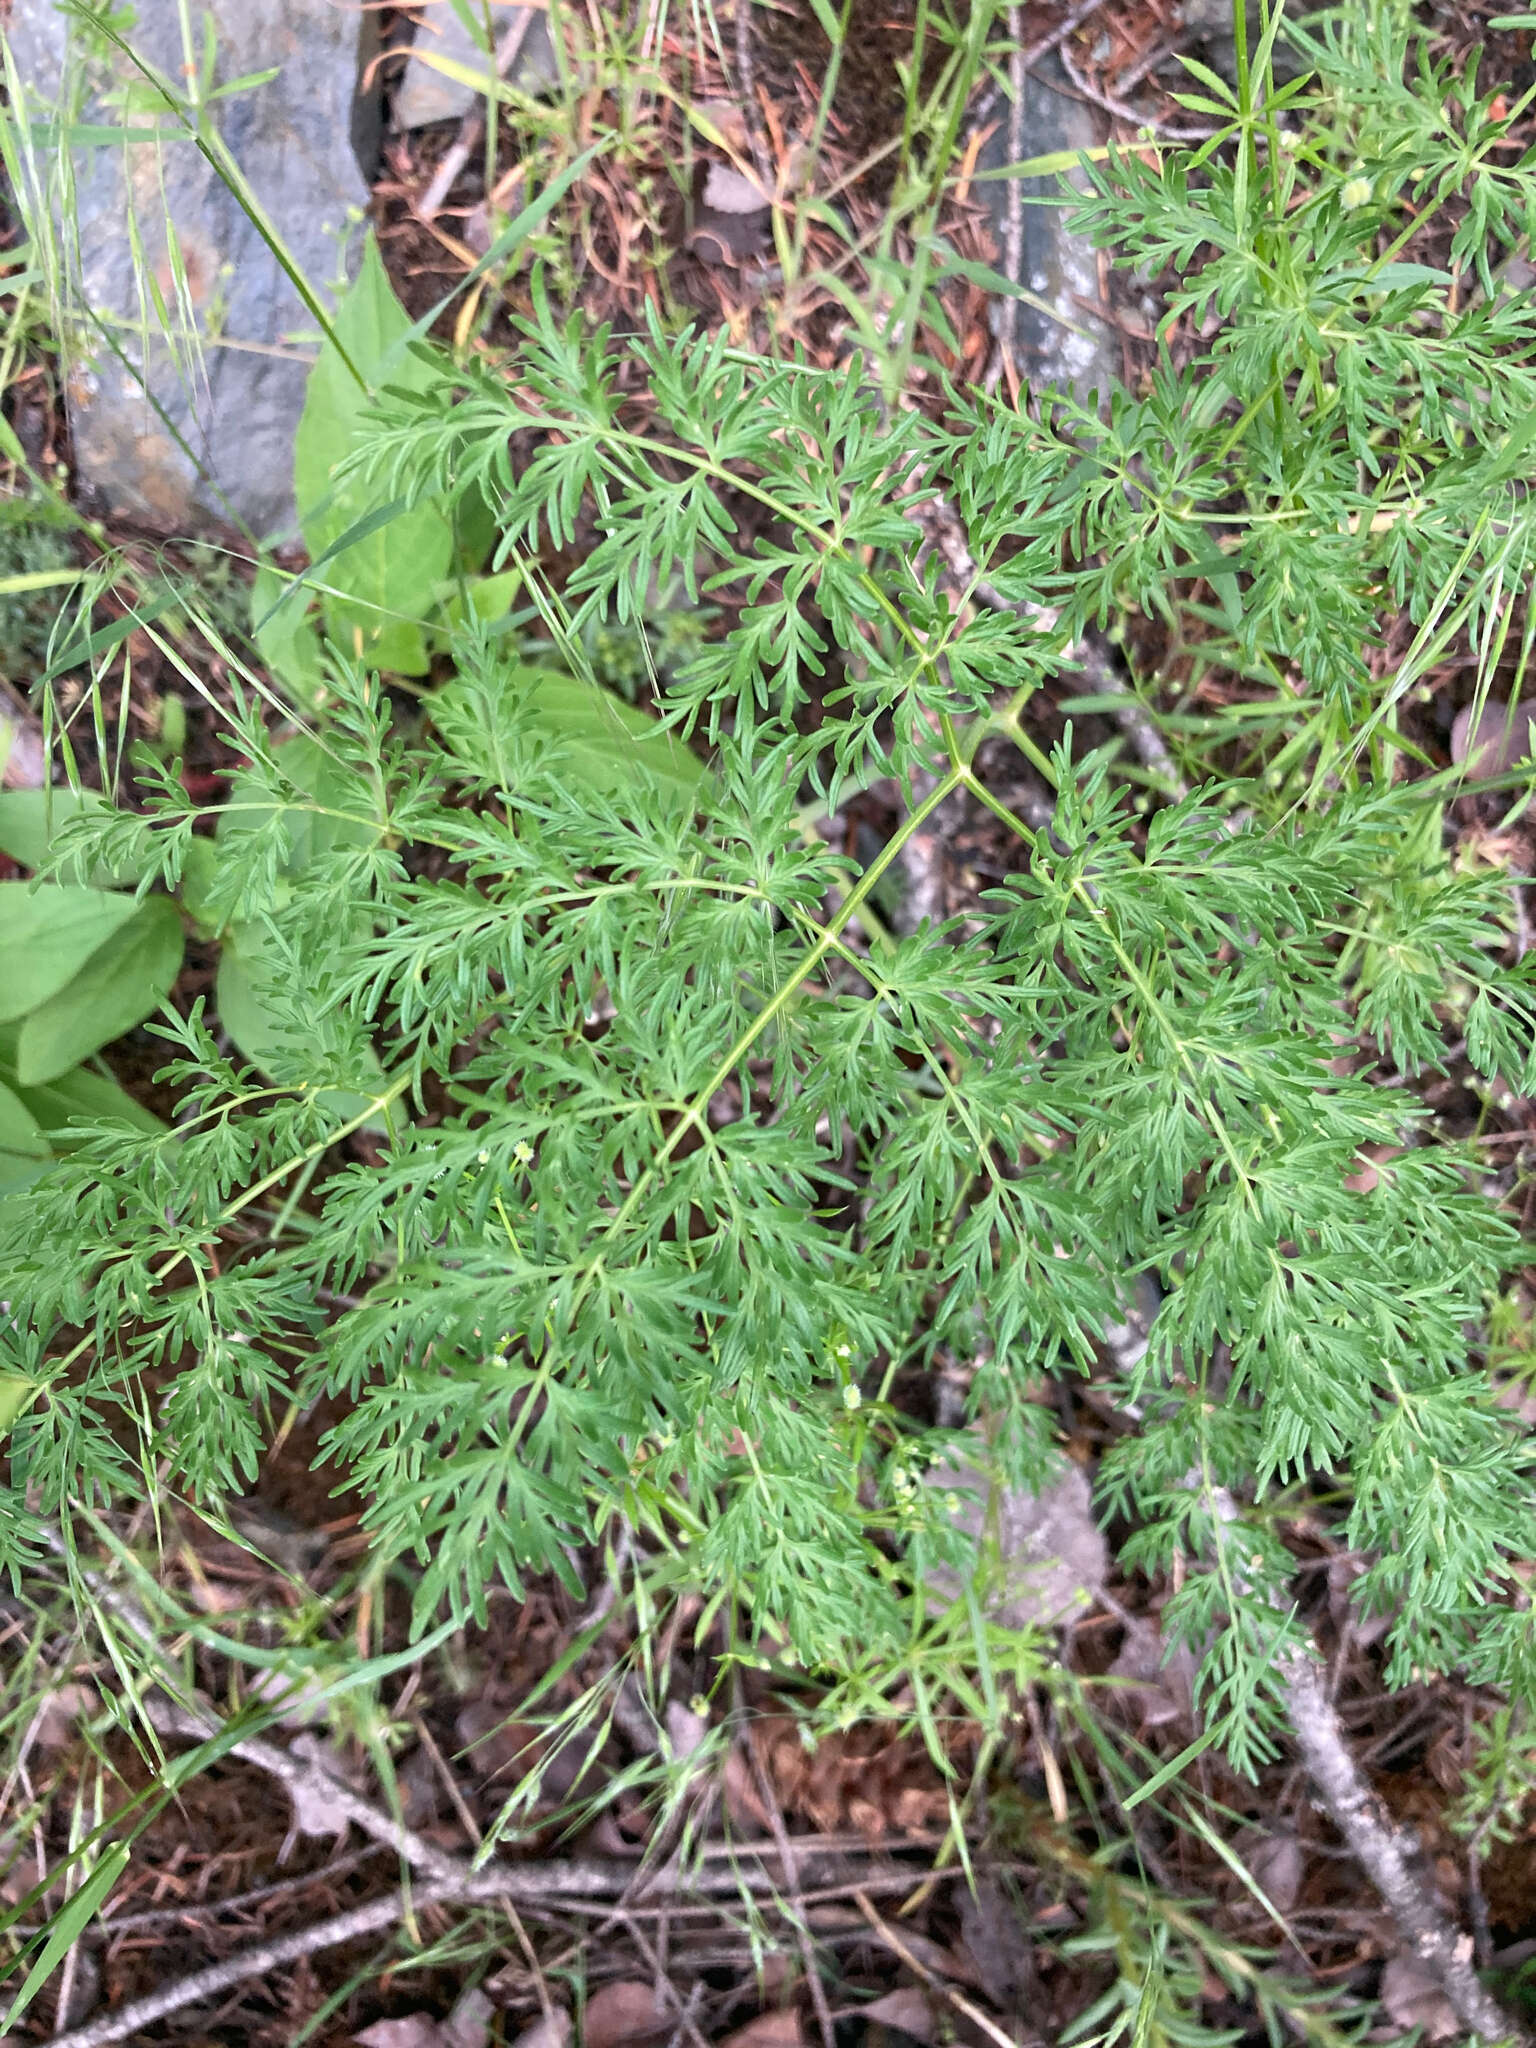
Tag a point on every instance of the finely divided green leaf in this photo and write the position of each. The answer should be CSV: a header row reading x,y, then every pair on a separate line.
x,y
30,823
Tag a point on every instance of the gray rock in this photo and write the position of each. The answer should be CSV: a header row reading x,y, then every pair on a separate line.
x,y
172,427
425,94
1060,344
1049,1550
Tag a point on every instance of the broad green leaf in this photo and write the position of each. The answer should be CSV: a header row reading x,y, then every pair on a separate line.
x,y
20,1171
81,1095
490,597
595,740
15,1393
263,1027
285,636
389,576
48,931
199,872
31,819
332,817
475,527
121,983
19,1129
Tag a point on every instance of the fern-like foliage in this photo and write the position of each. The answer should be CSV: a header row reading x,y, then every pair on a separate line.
x,y
680,1159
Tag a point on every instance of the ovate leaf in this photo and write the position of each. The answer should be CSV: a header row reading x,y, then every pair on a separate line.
x,y
588,738
19,1128
120,984
31,821
285,635
82,1096
15,1391
387,576
267,1031
490,597
48,931
19,1171
327,815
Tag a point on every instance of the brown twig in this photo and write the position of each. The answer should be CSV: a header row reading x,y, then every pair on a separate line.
x,y
888,1936
684,2008
1083,88
797,1919
572,1881
941,523
746,88
1130,714
310,1778
239,1902
1055,37
1388,1855
266,1956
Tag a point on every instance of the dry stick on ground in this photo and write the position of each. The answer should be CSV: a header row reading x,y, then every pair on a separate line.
x,y
1055,37
890,1939
804,1939
534,1884
746,87
664,1987
1097,662
1389,1855
311,1778
451,1881
472,127
939,520
131,2019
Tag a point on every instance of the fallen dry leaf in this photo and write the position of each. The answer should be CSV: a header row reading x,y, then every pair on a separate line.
x,y
727,190
59,1713
218,1596
779,2029
416,2030
551,2030
685,1730
467,2026
1413,1998
941,1960
908,2010
1498,740
626,2014
1159,1688
1049,1547
315,1811
1276,1864
19,1877
23,758
726,120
